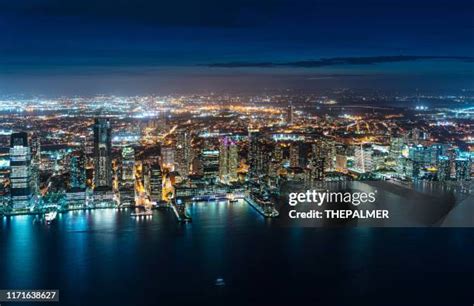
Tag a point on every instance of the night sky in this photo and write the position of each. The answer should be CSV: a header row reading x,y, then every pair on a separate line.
x,y
133,47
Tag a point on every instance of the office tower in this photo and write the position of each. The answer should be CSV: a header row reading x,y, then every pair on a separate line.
x,y
156,183
325,149
295,155
77,168
444,168
183,153
290,114
210,164
20,176
4,179
463,168
35,146
168,157
228,160
396,147
76,192
363,159
102,154
254,143
127,181
420,157
316,169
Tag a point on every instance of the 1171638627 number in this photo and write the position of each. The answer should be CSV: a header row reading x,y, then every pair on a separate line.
x,y
29,295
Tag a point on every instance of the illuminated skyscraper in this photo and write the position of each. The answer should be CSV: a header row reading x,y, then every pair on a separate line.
x,y
77,167
210,164
76,193
253,152
127,182
290,114
102,154
183,153
156,183
20,176
228,160
463,169
168,157
363,159
35,162
444,168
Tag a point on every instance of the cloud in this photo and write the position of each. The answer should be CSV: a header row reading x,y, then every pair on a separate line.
x,y
339,61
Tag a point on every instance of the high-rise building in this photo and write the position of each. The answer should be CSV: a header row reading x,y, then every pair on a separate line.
x,y
156,183
102,154
127,180
20,176
254,144
363,159
77,167
463,169
228,160
35,145
168,157
183,153
76,193
210,164
444,168
341,163
290,114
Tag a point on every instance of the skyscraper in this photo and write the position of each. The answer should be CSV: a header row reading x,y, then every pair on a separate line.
x,y
127,181
168,157
228,160
20,176
210,164
183,152
102,154
290,114
252,152
76,193
444,168
77,167
363,159
463,169
156,183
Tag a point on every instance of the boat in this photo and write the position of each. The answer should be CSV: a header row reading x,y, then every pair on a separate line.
x,y
50,216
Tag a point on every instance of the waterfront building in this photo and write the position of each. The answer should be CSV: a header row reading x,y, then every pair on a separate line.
x,y
20,171
127,181
228,160
210,164
444,168
463,169
156,183
102,154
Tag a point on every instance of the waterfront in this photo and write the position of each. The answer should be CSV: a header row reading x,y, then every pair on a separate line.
x,y
106,257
